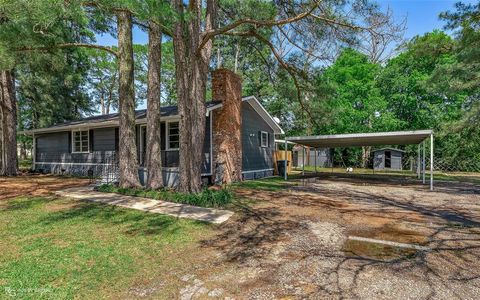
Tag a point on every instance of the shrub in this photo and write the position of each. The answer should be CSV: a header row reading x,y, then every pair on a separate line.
x,y
206,198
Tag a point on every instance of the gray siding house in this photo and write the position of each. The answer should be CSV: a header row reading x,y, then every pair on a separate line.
x,y
387,158
90,145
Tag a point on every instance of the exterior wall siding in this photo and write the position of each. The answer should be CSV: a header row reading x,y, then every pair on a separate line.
x,y
56,148
104,139
255,157
54,155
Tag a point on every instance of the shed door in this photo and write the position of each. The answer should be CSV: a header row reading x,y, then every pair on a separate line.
x,y
388,159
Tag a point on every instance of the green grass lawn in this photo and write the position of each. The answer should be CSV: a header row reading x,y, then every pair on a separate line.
x,y
55,248
268,184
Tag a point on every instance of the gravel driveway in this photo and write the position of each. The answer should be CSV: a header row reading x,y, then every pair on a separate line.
x,y
293,244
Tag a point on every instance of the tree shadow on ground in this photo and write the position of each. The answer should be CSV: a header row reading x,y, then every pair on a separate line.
x,y
440,270
445,271
252,233
374,204
453,237
22,203
451,187
131,221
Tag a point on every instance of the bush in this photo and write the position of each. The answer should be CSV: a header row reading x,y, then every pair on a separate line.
x,y
206,198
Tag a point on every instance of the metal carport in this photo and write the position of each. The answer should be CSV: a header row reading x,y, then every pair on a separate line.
x,y
415,137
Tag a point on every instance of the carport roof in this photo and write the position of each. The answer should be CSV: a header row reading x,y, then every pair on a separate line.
x,y
363,139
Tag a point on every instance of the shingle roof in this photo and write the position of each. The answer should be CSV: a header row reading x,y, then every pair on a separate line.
x,y
111,120
166,111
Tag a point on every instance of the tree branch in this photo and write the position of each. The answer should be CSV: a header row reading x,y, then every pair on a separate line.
x,y
164,29
291,70
310,52
71,45
258,23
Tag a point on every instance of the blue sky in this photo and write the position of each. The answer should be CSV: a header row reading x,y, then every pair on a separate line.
x,y
422,16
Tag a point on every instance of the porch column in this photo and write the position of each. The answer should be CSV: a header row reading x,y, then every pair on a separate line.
x,y
315,161
34,152
431,162
423,162
286,156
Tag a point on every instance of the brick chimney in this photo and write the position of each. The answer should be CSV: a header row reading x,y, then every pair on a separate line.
x,y
227,125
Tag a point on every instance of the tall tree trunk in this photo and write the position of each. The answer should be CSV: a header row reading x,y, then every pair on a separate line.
x,y
102,102
191,70
219,58
366,150
153,147
107,104
2,143
128,163
9,123
111,88
237,56
23,150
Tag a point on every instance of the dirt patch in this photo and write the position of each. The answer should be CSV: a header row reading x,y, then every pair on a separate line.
x,y
36,185
355,249
292,243
55,206
390,232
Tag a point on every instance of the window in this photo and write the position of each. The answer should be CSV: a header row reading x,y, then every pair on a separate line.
x,y
80,141
173,136
263,139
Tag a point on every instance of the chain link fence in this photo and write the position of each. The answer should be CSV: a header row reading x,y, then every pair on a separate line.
x,y
409,165
444,165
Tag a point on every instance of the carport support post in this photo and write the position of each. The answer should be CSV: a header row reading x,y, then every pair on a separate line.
x,y
286,156
431,162
303,160
418,161
423,161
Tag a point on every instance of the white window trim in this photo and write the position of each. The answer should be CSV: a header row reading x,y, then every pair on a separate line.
x,y
167,135
261,139
81,142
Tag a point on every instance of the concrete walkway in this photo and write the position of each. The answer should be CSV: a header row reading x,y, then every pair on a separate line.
x,y
178,210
